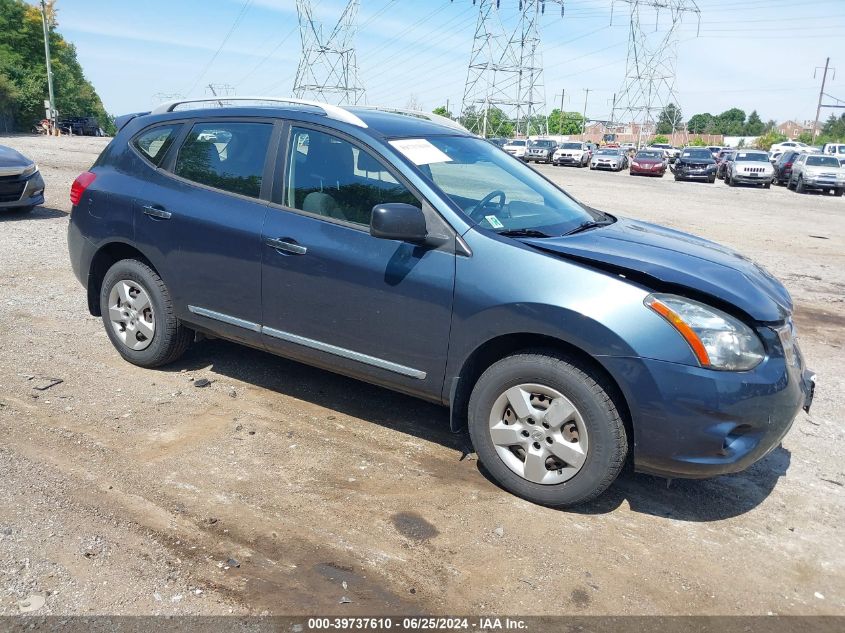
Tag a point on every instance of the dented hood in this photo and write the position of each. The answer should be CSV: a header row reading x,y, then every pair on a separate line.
x,y
679,259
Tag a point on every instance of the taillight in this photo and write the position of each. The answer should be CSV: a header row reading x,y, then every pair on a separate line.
x,y
82,182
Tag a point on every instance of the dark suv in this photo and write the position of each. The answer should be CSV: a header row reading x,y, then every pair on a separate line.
x,y
399,249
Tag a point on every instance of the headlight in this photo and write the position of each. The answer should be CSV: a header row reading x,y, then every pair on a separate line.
x,y
29,170
718,340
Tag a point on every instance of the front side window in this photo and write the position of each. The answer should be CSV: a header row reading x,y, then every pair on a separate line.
x,y
154,143
492,188
227,156
331,177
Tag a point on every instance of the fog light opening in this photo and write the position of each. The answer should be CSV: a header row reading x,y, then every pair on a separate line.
x,y
737,433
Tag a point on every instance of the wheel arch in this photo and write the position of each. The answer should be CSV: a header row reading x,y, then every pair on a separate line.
x,y
105,257
505,345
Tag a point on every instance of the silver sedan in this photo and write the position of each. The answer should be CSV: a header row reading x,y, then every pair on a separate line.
x,y
21,184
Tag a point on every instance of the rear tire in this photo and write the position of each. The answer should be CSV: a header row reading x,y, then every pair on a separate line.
x,y
128,284
559,408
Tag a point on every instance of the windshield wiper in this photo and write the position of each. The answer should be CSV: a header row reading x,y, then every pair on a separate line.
x,y
523,233
586,226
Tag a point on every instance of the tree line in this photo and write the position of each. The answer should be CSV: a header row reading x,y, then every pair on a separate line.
x,y
23,72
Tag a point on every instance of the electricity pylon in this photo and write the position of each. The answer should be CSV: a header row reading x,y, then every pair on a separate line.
x,y
649,84
504,90
328,70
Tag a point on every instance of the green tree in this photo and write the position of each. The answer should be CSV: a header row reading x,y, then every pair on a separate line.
x,y
669,120
731,122
768,139
565,122
23,66
700,123
496,123
754,126
698,142
660,138
8,103
442,111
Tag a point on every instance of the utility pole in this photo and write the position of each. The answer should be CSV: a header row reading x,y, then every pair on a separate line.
x,y
821,94
560,118
52,116
584,120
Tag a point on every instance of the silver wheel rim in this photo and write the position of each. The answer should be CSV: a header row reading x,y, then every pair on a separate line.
x,y
131,314
539,434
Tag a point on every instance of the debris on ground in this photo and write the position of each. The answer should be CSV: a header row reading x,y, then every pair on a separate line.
x,y
35,602
47,383
202,382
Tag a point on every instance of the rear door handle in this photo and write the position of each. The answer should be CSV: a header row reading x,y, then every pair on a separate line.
x,y
157,212
285,245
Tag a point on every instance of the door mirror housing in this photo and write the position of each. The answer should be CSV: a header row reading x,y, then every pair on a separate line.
x,y
399,221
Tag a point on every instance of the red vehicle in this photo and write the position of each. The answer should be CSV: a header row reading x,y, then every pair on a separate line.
x,y
648,163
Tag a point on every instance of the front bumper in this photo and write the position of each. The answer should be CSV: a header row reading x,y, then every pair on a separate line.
x,y
749,179
648,171
17,192
823,185
691,175
568,160
537,157
613,166
692,422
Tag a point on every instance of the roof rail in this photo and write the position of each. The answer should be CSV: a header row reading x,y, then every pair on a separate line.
x,y
429,116
332,111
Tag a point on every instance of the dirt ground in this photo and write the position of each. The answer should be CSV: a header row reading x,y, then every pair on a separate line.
x,y
288,490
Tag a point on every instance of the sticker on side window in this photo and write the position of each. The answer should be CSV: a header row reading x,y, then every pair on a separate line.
x,y
494,221
420,152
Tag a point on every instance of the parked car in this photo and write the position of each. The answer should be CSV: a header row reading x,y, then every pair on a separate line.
x,y
21,184
714,150
572,153
540,151
649,163
818,172
498,142
80,125
785,145
722,165
366,242
669,151
516,147
611,158
695,163
783,167
750,167
834,149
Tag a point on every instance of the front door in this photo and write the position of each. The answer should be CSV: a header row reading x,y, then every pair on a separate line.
x,y
333,295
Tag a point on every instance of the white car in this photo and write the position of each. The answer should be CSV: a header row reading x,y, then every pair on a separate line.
x,y
834,149
794,145
516,147
572,153
750,167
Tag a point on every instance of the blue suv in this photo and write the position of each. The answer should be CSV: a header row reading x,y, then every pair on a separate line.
x,y
397,248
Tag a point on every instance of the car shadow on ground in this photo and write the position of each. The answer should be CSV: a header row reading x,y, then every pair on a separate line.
x,y
683,500
38,213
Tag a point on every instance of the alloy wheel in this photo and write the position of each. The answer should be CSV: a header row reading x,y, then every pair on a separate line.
x,y
131,314
538,433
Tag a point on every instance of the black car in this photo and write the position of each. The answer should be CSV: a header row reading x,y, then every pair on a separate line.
x,y
695,163
80,125
783,167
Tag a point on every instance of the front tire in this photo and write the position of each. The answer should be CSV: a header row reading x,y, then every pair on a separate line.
x,y
799,187
547,429
139,317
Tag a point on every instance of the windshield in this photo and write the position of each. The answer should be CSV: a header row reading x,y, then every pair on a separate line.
x,y
570,146
493,189
697,154
647,155
517,143
753,157
825,161
543,144
611,152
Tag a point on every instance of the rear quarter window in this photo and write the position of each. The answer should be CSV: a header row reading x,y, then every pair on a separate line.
x,y
154,143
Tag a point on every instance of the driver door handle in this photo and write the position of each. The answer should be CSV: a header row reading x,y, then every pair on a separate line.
x,y
285,244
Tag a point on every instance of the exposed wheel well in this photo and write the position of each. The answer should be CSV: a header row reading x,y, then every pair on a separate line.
x,y
502,346
100,264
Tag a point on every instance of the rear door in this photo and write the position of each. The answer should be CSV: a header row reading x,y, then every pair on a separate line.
x,y
335,296
208,209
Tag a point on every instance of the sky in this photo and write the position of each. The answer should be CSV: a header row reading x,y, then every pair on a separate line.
x,y
751,54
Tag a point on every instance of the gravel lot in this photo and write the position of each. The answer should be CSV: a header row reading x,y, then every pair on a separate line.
x,y
284,489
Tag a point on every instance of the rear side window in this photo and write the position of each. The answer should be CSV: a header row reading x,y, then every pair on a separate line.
x,y
227,156
153,144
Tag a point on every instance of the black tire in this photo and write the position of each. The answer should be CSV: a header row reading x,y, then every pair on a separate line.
x,y
799,186
767,185
587,390
838,192
712,179
729,181
171,337
789,183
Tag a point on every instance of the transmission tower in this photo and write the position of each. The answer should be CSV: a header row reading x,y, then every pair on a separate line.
x,y
328,70
504,89
649,84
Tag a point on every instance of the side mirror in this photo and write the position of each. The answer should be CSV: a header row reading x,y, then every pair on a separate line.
x,y
398,221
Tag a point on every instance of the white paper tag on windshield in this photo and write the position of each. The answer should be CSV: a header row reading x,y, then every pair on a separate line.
x,y
494,221
420,152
